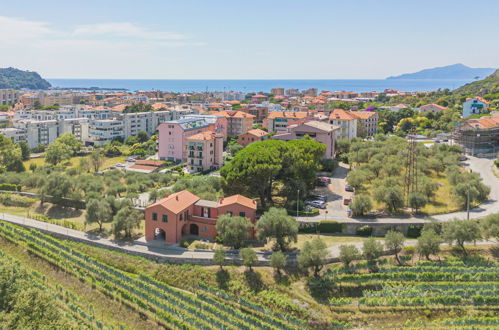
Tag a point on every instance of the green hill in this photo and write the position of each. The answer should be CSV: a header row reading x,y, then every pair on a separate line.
x,y
487,86
17,79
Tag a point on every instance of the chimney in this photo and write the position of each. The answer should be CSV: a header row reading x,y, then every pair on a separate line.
x,y
221,200
176,197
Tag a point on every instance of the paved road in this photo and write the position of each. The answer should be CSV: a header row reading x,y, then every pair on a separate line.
x,y
482,166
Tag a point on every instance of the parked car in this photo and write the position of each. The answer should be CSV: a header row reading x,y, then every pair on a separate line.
x,y
319,197
317,204
348,187
347,201
131,159
320,183
325,179
120,165
463,158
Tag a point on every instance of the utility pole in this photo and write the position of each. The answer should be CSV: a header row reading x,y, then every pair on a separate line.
x,y
297,202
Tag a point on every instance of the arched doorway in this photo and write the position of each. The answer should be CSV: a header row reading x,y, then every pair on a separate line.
x,y
159,234
194,229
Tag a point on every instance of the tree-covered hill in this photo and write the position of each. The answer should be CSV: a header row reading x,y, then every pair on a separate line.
x,y
17,79
481,87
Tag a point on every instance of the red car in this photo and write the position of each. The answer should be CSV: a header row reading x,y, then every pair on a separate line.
x,y
325,179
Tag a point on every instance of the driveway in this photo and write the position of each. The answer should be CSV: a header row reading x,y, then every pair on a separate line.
x,y
335,192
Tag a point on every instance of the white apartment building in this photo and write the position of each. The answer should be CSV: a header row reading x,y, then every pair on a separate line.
x,y
15,134
76,126
39,131
105,130
346,121
9,96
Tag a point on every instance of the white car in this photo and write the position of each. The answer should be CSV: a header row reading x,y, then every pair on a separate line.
x,y
120,165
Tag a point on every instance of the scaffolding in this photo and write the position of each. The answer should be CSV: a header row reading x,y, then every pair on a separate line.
x,y
477,141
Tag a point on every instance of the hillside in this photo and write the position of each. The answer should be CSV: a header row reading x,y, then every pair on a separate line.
x,y
17,79
481,87
455,71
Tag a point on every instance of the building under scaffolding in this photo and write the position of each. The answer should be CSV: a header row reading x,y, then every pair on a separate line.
x,y
478,137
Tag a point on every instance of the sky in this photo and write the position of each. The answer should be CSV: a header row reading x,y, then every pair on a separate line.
x,y
243,39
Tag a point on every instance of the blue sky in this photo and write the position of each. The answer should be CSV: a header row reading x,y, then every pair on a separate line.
x,y
272,39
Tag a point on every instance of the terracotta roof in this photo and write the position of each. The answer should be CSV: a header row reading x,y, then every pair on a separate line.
x,y
177,202
237,199
260,96
341,114
143,168
364,114
157,106
485,122
119,107
432,105
203,136
155,163
284,114
257,132
232,114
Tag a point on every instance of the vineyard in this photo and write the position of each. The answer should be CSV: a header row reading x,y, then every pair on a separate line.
x,y
168,306
468,288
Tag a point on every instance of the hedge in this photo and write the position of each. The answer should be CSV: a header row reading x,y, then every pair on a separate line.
x,y
328,227
312,213
10,187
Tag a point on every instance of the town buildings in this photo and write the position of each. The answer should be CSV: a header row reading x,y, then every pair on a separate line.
x,y
205,151
172,141
9,96
253,135
277,91
238,122
368,120
346,121
435,108
319,131
184,213
479,136
280,120
104,131
474,106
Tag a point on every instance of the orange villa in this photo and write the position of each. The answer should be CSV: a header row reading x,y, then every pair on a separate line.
x,y
184,213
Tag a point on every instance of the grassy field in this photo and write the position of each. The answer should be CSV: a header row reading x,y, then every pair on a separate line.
x,y
74,161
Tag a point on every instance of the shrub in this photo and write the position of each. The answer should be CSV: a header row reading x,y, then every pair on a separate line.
x,y
364,231
16,200
414,231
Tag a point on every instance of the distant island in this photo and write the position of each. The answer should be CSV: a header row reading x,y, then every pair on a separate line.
x,y
455,71
17,79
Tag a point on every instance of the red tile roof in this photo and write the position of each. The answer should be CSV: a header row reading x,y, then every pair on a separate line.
x,y
340,114
178,202
203,136
237,199
285,114
257,132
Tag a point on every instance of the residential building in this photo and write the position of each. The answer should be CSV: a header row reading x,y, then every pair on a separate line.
x,y
253,135
238,122
431,108
319,131
259,98
173,134
474,106
347,122
369,122
9,96
280,120
292,92
479,136
205,151
79,127
277,91
258,111
15,134
105,130
310,92
184,213
39,131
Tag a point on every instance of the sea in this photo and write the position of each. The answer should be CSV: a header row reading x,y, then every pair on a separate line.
x,y
258,85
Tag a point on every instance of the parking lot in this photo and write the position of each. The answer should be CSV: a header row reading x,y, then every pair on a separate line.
x,y
335,192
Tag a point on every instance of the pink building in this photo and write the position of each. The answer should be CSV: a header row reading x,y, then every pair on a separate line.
x,y
205,151
319,131
184,213
172,141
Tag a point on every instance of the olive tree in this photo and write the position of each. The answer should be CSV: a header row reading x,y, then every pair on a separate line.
x,y
313,255
394,242
278,261
233,231
276,224
372,250
461,231
349,253
428,243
